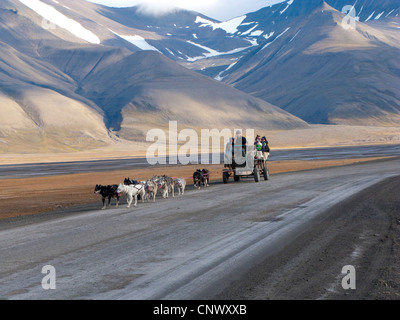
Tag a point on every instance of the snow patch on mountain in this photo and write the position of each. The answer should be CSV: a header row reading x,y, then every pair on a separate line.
x,y
229,26
267,36
287,7
170,52
250,30
138,41
389,13
214,53
51,14
256,33
279,35
369,18
219,77
379,15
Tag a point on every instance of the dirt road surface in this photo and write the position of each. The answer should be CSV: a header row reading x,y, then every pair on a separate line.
x,y
286,238
61,193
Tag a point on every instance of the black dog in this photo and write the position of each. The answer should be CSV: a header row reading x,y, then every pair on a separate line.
x,y
128,181
201,177
109,192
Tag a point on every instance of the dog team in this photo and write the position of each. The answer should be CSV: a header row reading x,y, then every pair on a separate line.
x,y
140,190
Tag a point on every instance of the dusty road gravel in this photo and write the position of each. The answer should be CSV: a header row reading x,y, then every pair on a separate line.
x,y
363,231
286,238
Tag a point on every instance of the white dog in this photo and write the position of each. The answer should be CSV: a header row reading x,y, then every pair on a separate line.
x,y
131,191
181,185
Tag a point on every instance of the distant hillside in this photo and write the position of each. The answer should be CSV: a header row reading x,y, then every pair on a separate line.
x,y
60,91
76,75
323,73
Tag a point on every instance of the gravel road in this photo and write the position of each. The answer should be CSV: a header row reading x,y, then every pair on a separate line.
x,y
288,237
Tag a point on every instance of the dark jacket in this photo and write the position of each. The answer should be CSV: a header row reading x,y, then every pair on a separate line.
x,y
265,146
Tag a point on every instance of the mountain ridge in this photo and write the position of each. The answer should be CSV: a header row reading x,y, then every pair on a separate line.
x,y
278,68
69,94
322,55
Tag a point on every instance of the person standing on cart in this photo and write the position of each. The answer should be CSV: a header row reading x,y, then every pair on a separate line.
x,y
239,146
228,152
265,147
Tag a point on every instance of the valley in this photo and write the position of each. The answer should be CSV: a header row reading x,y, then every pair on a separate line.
x,y
284,68
88,90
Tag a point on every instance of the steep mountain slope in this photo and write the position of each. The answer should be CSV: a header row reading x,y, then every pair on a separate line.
x,y
76,75
40,110
180,35
61,91
264,25
147,90
324,73
366,10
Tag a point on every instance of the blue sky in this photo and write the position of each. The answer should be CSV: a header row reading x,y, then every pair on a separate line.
x,y
217,9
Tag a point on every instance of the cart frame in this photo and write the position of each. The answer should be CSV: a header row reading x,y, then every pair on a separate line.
x,y
256,168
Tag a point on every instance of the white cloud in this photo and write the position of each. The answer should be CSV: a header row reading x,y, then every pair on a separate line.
x,y
218,9
155,7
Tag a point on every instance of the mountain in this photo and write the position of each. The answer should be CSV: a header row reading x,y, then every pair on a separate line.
x,y
180,35
77,75
366,10
67,82
40,110
314,68
296,54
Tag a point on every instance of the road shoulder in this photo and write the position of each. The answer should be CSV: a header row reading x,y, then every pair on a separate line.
x,y
362,231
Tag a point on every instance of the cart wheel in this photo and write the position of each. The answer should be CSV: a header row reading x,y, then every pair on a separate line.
x,y
225,177
236,178
256,175
266,173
